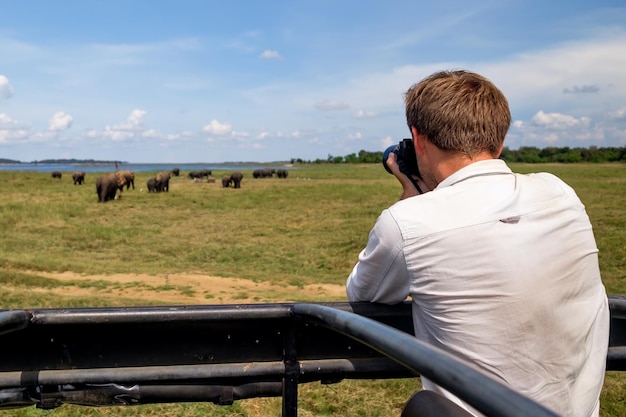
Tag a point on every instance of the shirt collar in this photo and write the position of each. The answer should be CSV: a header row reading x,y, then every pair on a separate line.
x,y
479,168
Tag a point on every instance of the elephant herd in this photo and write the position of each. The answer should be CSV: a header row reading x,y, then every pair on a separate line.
x,y
109,184
269,172
78,177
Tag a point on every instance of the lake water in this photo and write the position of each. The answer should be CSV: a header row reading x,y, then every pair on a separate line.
x,y
136,167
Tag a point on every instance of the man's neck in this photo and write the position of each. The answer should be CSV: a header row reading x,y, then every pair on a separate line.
x,y
449,163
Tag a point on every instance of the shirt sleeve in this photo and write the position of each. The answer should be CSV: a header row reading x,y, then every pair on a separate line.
x,y
380,274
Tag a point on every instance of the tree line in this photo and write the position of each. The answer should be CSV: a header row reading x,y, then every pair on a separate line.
x,y
525,154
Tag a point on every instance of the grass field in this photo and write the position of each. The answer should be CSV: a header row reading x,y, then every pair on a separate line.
x,y
59,247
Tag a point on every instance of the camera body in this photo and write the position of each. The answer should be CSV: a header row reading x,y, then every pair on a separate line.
x,y
405,155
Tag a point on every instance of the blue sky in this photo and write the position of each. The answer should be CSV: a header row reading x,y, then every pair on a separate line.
x,y
226,81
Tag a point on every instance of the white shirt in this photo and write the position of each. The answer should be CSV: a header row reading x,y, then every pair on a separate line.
x,y
502,270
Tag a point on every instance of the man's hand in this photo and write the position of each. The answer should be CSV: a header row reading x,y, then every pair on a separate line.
x,y
408,187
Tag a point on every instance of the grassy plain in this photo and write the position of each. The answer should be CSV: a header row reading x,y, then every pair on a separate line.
x,y
301,232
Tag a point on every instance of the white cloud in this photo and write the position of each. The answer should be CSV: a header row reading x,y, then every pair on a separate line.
x,y
577,89
387,141
218,128
136,117
355,136
60,121
267,54
362,114
240,135
559,121
6,91
547,76
15,136
133,128
150,133
331,105
555,129
617,114
13,131
115,134
6,122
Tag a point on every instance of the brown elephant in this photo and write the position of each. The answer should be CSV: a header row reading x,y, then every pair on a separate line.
x,y
107,185
163,181
236,178
281,173
226,181
78,177
56,174
152,185
176,172
129,176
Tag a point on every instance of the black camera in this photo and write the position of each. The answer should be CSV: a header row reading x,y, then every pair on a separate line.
x,y
405,155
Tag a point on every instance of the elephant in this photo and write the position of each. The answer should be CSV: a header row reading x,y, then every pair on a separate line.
x,y
129,176
163,181
236,178
200,174
263,173
226,181
56,174
107,185
78,177
281,173
152,185
176,172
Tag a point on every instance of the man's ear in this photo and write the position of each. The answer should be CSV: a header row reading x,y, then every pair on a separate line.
x,y
418,141
497,155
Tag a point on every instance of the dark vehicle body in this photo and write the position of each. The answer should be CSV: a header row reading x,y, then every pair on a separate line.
x,y
226,353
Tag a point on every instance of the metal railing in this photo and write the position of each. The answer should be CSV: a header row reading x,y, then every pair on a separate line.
x,y
226,353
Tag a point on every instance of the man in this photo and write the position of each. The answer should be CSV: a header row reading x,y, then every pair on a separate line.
x,y
502,268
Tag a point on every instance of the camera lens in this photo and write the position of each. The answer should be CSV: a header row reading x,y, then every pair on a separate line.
x,y
386,155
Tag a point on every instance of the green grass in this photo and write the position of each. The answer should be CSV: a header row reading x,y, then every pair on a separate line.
x,y
294,230
303,230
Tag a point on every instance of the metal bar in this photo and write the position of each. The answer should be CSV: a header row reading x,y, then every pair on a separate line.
x,y
617,304
290,380
310,370
141,374
617,353
229,346
478,389
13,320
134,394
160,314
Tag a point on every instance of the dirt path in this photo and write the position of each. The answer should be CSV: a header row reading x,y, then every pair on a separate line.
x,y
191,288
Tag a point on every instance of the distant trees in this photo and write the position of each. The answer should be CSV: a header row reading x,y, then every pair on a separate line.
x,y
525,154
531,154
363,157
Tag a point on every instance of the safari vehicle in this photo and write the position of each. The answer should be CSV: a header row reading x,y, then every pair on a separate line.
x,y
226,353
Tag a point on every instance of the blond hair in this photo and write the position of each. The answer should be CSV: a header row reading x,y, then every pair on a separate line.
x,y
459,111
